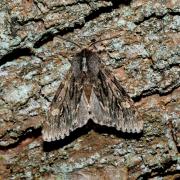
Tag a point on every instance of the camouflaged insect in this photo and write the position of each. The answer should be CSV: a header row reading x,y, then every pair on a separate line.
x,y
90,91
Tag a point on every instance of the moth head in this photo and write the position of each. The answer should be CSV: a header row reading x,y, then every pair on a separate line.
x,y
86,62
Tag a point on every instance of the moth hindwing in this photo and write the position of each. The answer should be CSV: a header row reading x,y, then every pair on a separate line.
x,y
90,91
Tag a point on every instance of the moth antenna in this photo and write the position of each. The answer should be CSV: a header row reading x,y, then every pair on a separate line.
x,y
69,41
103,40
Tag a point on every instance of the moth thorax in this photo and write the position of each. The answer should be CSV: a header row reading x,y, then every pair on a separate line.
x,y
84,64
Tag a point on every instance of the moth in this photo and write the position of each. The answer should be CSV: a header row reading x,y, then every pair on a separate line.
x,y
90,91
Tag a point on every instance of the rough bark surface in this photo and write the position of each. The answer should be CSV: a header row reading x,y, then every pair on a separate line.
x,y
33,62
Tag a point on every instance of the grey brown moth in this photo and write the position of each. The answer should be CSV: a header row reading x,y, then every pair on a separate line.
x,y
90,91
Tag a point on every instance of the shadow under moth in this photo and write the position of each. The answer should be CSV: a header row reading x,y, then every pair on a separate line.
x,y
90,91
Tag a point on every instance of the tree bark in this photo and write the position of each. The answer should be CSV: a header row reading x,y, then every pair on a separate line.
x,y
143,52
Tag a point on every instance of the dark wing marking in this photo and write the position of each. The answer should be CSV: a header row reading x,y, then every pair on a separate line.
x,y
68,110
94,63
112,106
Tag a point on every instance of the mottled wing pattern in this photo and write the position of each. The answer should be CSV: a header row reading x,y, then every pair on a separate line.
x,y
112,106
95,95
68,110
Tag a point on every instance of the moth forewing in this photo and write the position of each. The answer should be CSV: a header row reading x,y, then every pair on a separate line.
x,y
90,91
